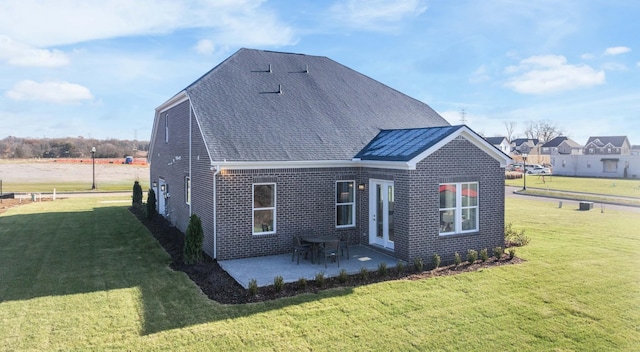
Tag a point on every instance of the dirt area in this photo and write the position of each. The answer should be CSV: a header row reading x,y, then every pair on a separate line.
x,y
219,286
54,170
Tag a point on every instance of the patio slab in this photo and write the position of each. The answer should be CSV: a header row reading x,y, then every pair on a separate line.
x,y
265,269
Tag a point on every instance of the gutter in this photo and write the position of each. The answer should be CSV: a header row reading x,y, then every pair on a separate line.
x,y
217,169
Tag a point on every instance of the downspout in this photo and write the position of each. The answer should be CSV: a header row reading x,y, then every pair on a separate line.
x,y
190,160
215,215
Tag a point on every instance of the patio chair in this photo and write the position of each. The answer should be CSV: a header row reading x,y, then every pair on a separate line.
x,y
300,248
344,244
330,250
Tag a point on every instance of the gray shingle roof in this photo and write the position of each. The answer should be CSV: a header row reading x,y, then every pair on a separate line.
x,y
405,144
616,141
272,106
554,143
496,140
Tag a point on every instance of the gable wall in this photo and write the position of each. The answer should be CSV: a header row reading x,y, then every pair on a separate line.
x,y
458,161
171,162
202,186
305,199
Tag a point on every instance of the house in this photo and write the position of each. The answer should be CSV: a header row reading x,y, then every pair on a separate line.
x,y
561,145
524,145
607,145
501,143
268,145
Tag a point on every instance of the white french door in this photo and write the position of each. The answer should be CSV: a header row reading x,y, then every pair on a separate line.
x,y
381,205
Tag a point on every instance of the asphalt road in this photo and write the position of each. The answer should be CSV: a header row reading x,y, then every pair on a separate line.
x,y
509,192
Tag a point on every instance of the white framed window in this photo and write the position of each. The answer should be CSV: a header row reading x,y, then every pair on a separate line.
x,y
458,208
187,189
345,203
264,208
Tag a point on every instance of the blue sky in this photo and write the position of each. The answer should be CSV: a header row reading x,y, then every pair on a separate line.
x,y
98,69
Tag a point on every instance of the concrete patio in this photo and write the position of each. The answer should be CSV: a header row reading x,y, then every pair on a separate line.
x,y
265,269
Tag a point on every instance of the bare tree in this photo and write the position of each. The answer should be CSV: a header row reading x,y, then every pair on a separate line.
x,y
510,126
543,130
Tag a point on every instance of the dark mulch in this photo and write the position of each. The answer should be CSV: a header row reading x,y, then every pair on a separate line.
x,y
219,286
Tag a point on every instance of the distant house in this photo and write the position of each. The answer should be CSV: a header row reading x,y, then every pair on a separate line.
x,y
561,145
268,145
523,145
607,145
501,143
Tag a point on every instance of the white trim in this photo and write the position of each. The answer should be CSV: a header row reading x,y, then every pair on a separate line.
x,y
274,208
352,203
458,209
296,164
470,136
175,100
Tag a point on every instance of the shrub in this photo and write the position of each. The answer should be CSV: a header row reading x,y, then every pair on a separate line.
x,y
418,264
193,241
435,260
151,204
137,195
400,267
342,276
514,237
302,283
382,269
320,279
278,283
512,253
484,255
253,287
498,252
364,273
472,256
457,260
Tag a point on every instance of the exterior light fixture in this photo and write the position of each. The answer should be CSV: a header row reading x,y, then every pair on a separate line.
x,y
524,170
361,187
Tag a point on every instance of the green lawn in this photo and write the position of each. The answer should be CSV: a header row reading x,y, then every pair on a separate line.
x,y
83,274
602,186
48,187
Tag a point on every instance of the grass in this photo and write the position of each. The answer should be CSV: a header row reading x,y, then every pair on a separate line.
x,y
80,274
601,186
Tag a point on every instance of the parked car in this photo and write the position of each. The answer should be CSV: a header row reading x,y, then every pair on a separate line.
x,y
538,170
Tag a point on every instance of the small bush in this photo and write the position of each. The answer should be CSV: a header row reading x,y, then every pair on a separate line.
x,y
302,283
364,273
343,276
457,260
193,241
400,267
151,204
435,261
472,256
253,287
320,279
137,194
278,283
484,255
514,237
498,252
382,269
512,253
418,264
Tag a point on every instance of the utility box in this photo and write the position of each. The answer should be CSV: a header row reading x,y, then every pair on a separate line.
x,y
586,205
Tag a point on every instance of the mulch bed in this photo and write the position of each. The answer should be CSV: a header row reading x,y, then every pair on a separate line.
x,y
219,286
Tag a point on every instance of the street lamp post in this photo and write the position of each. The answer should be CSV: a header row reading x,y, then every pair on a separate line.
x,y
93,159
524,170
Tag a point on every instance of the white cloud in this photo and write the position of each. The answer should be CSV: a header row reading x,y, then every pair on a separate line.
x,y
376,14
587,56
617,50
51,92
614,66
204,47
551,73
46,23
479,75
19,54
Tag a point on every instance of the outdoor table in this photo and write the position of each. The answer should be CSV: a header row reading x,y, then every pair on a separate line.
x,y
315,241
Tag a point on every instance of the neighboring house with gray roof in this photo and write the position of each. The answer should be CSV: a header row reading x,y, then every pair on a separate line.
x,y
607,145
501,143
524,145
561,145
268,145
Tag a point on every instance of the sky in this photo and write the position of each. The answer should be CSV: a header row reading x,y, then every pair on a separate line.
x,y
98,69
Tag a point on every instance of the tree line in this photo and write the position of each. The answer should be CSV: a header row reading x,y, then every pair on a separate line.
x,y
69,147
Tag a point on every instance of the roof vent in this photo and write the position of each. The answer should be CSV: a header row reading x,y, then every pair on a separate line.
x,y
279,88
307,70
270,68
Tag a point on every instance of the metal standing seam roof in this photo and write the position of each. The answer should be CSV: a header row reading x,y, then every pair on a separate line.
x,y
271,106
404,144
